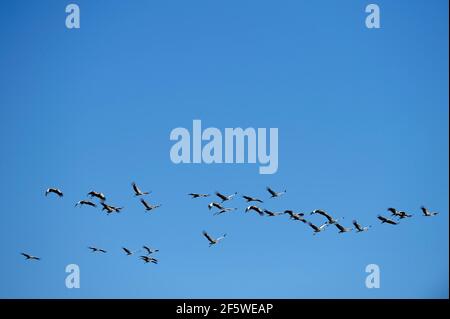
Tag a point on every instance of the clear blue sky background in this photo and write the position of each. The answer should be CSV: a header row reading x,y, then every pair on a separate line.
x,y
363,124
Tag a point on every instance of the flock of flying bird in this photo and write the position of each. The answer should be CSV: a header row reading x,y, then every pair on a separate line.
x,y
220,209
297,216
109,210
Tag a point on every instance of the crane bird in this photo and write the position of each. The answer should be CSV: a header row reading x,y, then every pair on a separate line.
x,y
403,214
211,240
224,210
150,250
111,209
359,228
341,228
148,259
251,199
331,220
256,209
224,198
317,229
149,207
85,202
127,251
216,205
30,257
137,191
427,213
295,216
100,196
198,195
386,220
220,208
274,193
54,191
270,213
395,212
95,249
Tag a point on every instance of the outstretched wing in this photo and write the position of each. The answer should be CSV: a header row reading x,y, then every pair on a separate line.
x,y
146,205
221,196
271,191
136,188
211,240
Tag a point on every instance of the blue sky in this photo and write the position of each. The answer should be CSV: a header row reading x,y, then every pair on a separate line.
x,y
363,125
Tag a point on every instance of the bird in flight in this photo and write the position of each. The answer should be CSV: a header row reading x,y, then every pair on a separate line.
x,y
341,228
150,250
111,209
397,213
251,199
317,229
295,216
271,214
273,193
256,209
427,213
211,240
403,214
137,191
85,202
197,195
224,198
30,257
359,228
225,210
95,250
54,191
98,195
220,208
386,220
148,259
331,220
216,205
149,207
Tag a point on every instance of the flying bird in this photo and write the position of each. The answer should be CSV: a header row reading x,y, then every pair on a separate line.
x,y
85,202
256,209
331,220
54,191
295,216
137,191
359,228
386,220
274,193
149,207
427,213
211,240
317,229
398,213
95,249
224,198
251,199
98,195
197,195
271,214
30,257
111,209
150,250
148,259
341,228
403,214
225,210
216,205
